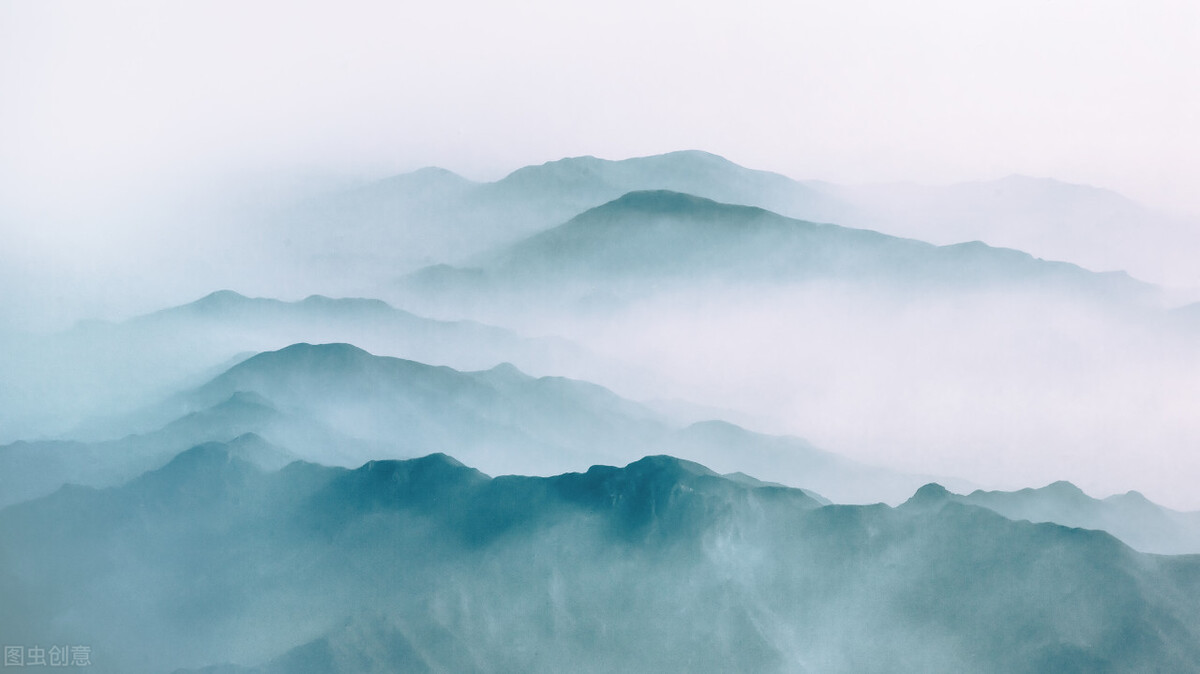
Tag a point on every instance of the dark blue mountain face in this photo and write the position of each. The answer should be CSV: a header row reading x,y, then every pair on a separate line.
x,y
429,565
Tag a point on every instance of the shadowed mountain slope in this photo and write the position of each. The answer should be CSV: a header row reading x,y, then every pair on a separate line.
x,y
658,566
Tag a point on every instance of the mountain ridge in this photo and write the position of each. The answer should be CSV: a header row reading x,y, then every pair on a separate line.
x,y
426,555
1135,520
646,236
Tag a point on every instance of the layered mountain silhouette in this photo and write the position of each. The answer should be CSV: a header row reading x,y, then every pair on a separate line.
x,y
338,404
1096,228
643,241
213,564
32,469
1131,517
247,485
433,215
100,369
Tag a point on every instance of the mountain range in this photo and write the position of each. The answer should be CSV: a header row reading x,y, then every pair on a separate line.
x,y
340,405
247,485
1131,517
213,564
51,384
1093,227
434,216
645,240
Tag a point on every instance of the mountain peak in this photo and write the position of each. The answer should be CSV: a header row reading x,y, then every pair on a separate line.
x,y
204,470
1063,488
566,170
701,155
718,429
434,461
428,180
661,463
507,369
347,303
685,160
400,482
504,373
220,299
1132,498
666,203
436,172
319,359
928,495
682,170
334,349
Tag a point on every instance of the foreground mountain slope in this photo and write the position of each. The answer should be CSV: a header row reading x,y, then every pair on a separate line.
x,y
658,566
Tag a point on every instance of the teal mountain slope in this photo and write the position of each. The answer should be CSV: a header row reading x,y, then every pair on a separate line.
x,y
658,566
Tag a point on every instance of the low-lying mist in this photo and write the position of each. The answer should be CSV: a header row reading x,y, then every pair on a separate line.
x,y
1005,385
1005,388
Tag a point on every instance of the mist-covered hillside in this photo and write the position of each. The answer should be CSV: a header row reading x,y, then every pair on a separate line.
x,y
882,348
643,241
246,484
429,565
51,384
434,216
337,404
377,337
1131,517
1096,228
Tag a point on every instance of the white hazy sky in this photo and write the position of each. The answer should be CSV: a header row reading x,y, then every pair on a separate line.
x,y
102,103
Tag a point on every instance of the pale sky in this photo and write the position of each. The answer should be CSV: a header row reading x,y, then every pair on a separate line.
x,y
105,103
111,113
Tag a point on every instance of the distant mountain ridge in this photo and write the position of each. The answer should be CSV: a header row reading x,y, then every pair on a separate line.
x,y
507,421
433,216
1093,227
643,238
595,181
1131,517
338,404
146,357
